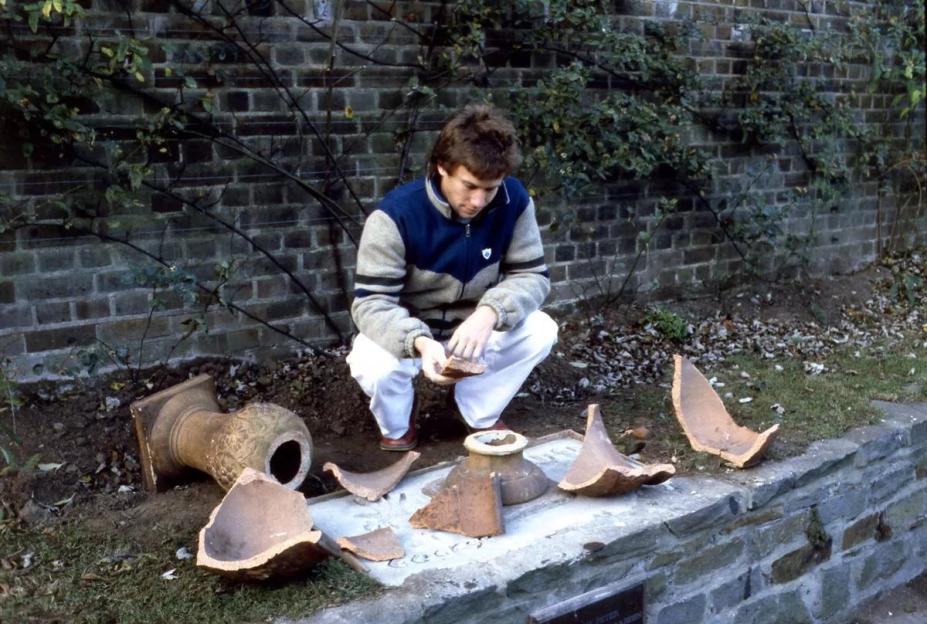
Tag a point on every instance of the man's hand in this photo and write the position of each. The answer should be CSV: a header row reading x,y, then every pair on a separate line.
x,y
433,359
469,341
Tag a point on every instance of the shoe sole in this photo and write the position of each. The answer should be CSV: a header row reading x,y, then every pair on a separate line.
x,y
404,447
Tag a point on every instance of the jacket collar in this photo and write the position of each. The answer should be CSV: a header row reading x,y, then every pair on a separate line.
x,y
433,189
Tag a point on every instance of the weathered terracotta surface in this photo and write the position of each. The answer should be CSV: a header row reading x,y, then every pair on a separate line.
x,y
600,470
182,427
373,485
500,452
261,530
456,368
379,545
471,507
707,423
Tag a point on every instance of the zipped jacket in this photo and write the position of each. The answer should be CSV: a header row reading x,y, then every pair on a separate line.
x,y
420,271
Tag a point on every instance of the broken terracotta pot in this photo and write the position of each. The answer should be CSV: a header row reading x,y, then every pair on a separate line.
x,y
708,425
372,485
457,368
261,530
500,452
182,428
379,545
471,506
600,470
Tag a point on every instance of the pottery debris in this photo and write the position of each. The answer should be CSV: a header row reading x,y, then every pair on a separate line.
x,y
457,368
379,545
373,485
261,530
707,423
471,507
183,427
600,470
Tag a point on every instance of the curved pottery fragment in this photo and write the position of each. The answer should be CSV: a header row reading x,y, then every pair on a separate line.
x,y
458,368
373,485
472,506
183,427
260,530
707,423
500,452
600,470
379,545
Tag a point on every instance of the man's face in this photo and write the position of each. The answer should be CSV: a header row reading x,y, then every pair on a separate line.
x,y
466,193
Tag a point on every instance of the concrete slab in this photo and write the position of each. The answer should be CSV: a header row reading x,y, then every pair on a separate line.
x,y
553,529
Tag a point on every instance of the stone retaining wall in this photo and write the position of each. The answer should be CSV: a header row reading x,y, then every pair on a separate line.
x,y
805,540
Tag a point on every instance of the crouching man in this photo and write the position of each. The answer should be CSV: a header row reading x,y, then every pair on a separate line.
x,y
452,264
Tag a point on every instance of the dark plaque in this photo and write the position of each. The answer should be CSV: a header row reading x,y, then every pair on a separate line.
x,y
611,604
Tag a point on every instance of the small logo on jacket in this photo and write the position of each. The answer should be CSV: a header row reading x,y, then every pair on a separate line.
x,y
486,253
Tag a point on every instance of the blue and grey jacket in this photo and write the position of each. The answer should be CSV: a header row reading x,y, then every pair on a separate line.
x,y
420,272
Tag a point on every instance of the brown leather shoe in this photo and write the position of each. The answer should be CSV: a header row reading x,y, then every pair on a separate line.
x,y
408,441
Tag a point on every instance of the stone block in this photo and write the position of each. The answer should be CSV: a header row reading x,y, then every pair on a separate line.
x,y
785,608
910,416
711,559
95,256
689,610
881,564
128,332
730,593
845,506
887,479
860,531
16,316
903,514
764,482
51,260
796,563
877,441
129,303
7,292
788,530
63,338
91,309
16,264
712,515
835,590
48,313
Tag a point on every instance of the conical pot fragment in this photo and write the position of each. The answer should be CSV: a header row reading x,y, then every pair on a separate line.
x,y
707,423
600,470
373,485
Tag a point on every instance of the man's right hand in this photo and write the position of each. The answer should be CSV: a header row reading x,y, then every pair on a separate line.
x,y
433,359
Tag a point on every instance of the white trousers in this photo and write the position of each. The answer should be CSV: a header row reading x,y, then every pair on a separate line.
x,y
510,357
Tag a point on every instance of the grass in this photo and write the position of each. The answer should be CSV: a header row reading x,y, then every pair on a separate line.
x,y
81,576
816,406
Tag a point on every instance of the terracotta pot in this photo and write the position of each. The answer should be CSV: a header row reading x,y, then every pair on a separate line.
x,y
500,452
182,428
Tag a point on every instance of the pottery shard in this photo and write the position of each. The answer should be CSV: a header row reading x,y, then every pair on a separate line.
x,y
456,368
261,530
707,423
471,507
600,470
373,485
379,545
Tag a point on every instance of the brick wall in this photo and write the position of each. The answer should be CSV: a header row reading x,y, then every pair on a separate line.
x,y
63,295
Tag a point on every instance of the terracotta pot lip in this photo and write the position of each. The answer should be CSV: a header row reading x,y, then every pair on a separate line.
x,y
479,443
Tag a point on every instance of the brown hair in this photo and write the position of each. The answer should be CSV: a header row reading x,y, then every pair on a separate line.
x,y
479,138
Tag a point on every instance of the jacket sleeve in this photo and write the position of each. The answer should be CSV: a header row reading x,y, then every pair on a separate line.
x,y
525,282
379,278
